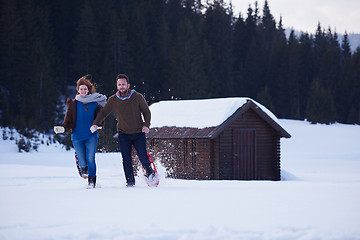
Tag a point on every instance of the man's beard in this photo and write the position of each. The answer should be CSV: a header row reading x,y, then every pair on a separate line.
x,y
123,91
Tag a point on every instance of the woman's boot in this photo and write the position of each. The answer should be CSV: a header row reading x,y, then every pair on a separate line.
x,y
92,181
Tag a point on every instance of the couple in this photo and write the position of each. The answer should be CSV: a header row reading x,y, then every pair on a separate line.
x,y
88,111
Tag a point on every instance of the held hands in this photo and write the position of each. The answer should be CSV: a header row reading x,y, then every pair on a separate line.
x,y
145,129
96,127
59,129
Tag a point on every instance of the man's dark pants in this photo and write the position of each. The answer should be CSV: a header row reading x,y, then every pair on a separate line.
x,y
126,141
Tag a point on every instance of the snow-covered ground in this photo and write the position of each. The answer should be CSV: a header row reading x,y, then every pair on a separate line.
x,y
42,196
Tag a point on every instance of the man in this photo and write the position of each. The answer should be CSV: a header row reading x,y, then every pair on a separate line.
x,y
129,107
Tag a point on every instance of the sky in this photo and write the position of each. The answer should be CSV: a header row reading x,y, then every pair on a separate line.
x,y
304,15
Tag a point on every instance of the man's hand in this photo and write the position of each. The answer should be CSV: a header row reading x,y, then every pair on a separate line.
x,y
145,129
94,128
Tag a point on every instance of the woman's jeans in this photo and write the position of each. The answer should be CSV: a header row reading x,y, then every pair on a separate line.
x,y
85,151
138,140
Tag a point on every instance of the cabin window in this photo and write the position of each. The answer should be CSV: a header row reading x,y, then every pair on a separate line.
x,y
189,153
185,153
193,153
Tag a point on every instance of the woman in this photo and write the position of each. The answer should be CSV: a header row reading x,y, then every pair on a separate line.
x,y
79,116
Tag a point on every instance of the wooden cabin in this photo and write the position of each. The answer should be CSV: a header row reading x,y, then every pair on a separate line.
x,y
222,139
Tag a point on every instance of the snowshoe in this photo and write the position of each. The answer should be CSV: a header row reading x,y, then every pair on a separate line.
x,y
83,172
151,175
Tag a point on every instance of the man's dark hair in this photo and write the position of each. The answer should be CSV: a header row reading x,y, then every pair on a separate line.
x,y
121,75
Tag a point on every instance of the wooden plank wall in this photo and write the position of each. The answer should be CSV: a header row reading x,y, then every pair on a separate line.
x,y
213,158
183,158
267,148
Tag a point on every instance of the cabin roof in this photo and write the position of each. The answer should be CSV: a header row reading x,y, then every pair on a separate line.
x,y
204,118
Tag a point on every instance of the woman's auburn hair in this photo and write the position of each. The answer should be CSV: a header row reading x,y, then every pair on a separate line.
x,y
84,81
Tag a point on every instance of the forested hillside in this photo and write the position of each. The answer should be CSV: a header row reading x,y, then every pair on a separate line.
x,y
174,49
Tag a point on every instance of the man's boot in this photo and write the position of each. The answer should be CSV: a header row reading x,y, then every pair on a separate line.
x,y
150,173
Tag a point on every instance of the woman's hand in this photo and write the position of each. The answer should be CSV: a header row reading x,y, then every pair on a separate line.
x,y
59,129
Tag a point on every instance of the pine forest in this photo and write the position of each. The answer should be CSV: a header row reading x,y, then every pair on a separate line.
x,y
170,49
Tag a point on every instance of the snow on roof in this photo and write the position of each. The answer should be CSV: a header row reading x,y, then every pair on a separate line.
x,y
198,113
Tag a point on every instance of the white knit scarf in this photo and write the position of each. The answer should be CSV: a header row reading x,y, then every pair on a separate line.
x,y
95,97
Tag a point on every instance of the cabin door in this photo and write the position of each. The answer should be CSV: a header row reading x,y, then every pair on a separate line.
x,y
244,153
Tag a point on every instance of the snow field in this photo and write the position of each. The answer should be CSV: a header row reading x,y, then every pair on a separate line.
x,y
42,196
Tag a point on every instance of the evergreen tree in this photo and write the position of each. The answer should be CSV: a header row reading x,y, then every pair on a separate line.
x,y
86,53
255,63
209,69
42,85
353,77
64,20
306,70
319,46
217,31
240,48
264,96
289,85
164,54
187,67
268,26
142,48
330,69
33,95
321,106
346,81
174,11
114,57
345,47
274,44
13,58
186,71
